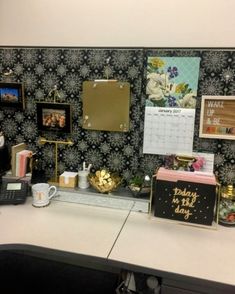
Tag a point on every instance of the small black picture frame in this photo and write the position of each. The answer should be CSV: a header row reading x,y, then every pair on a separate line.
x,y
12,95
54,117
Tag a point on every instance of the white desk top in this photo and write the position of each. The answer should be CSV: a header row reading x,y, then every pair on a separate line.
x,y
64,226
135,239
175,248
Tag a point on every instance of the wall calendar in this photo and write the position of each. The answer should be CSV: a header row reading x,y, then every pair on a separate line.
x,y
168,130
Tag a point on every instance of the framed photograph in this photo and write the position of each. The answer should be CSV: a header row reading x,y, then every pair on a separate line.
x,y
12,95
217,119
54,117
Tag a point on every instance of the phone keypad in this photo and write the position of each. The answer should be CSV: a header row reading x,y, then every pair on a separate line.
x,y
12,196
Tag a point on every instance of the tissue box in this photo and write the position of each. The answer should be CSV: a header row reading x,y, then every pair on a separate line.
x,y
68,179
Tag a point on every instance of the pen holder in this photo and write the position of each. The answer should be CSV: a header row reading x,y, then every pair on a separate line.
x,y
83,179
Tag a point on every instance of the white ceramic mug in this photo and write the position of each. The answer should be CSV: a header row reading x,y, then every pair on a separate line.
x,y
42,194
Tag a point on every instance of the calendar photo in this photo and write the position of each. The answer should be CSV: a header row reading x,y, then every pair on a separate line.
x,y
172,81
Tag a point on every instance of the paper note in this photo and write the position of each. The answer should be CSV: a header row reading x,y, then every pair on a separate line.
x,y
208,166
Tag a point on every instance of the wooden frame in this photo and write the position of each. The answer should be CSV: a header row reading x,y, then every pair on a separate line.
x,y
12,95
217,119
55,117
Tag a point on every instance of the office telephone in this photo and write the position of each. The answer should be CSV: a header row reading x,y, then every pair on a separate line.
x,y
13,191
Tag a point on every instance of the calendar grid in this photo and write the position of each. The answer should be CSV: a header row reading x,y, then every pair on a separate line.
x,y
168,130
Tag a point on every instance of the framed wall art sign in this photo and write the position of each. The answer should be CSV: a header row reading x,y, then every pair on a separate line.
x,y
185,197
217,119
12,95
54,117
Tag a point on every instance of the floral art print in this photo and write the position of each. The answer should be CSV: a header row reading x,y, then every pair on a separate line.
x,y
172,81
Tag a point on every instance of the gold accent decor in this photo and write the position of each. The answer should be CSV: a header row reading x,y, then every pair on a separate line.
x,y
106,105
228,192
54,93
185,158
103,181
44,141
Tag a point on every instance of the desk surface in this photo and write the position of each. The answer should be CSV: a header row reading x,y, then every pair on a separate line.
x,y
124,237
62,226
175,248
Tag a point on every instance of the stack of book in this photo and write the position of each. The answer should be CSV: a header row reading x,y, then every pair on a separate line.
x,y
20,160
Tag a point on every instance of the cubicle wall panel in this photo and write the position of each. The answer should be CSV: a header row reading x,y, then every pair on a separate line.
x,y
67,68
40,68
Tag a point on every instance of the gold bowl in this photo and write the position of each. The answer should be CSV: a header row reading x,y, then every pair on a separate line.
x,y
104,181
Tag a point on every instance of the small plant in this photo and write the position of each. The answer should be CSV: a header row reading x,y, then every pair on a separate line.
x,y
136,181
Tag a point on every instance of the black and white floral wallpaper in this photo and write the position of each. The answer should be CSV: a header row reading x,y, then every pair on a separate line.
x,y
42,68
